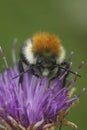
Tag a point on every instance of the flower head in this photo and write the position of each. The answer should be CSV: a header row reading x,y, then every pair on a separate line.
x,y
34,104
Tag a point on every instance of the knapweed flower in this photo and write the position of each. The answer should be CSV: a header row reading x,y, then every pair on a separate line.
x,y
34,104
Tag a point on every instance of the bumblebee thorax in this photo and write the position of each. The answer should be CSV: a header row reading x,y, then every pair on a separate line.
x,y
47,43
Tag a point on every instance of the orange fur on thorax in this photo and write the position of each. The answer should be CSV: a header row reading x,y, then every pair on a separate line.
x,y
46,41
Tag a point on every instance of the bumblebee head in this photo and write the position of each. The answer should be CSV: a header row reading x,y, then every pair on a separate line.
x,y
44,48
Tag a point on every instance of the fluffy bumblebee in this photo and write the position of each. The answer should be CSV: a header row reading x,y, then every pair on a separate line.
x,y
43,55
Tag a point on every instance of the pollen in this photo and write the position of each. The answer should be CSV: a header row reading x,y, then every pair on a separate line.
x,y
46,42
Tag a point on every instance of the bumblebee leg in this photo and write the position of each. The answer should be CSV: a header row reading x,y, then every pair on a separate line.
x,y
32,67
21,70
66,67
61,70
57,74
33,72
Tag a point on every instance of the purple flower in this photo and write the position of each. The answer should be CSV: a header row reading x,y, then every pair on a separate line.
x,y
34,104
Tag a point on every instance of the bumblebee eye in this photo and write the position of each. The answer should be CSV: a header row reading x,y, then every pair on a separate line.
x,y
40,60
46,61
53,60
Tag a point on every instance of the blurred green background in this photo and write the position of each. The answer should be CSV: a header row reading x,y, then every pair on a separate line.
x,y
66,18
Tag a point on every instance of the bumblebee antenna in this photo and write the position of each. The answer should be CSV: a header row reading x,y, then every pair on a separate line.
x,y
25,72
20,74
72,72
75,73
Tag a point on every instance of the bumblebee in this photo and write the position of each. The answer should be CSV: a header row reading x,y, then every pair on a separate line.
x,y
43,55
